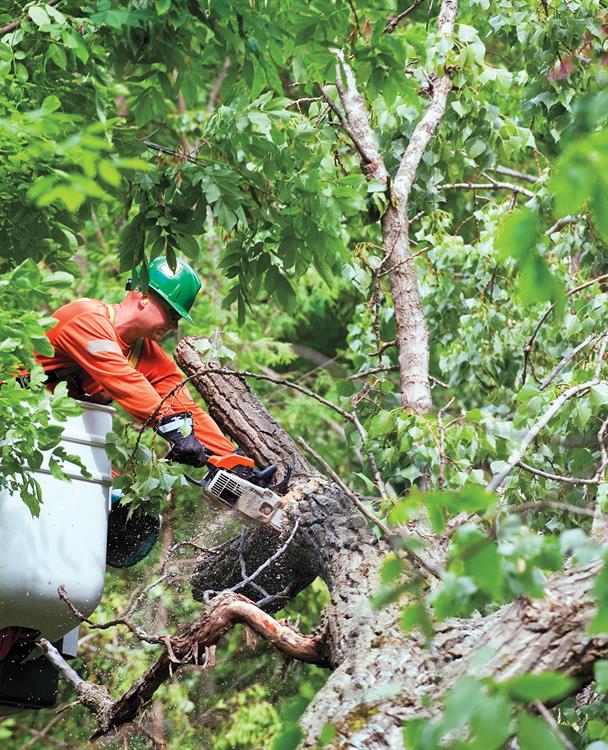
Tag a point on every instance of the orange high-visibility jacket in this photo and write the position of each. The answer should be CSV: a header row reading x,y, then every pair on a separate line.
x,y
137,376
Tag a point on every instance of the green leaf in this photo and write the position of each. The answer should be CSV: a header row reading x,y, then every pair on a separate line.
x,y
518,234
327,734
598,394
547,686
289,739
392,568
491,723
600,669
534,734
38,15
51,103
57,54
462,702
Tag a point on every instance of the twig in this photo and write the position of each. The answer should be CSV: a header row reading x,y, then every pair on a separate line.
x,y
545,315
267,562
386,345
181,155
388,533
441,444
373,371
514,173
566,360
561,223
405,260
243,564
392,25
556,477
297,102
487,186
518,454
600,356
356,17
551,504
542,710
135,629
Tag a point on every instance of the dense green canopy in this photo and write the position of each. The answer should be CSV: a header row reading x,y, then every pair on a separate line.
x,y
135,129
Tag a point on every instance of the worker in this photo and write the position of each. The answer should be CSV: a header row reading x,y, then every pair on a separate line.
x,y
108,352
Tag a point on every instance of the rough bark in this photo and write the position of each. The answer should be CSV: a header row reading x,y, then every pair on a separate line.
x,y
382,676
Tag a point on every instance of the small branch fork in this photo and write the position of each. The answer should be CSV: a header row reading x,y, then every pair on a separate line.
x,y
517,455
549,310
227,610
412,334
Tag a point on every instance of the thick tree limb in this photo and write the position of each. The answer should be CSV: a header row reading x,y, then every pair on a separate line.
x,y
526,636
227,610
368,647
412,333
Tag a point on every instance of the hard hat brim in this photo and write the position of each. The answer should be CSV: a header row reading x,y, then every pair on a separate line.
x,y
174,306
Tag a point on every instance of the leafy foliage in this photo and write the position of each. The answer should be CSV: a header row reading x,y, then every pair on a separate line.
x,y
130,130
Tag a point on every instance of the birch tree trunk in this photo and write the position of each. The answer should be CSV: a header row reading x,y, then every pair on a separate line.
x,y
381,676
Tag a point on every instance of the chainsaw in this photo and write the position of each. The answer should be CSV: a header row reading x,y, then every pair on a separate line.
x,y
255,505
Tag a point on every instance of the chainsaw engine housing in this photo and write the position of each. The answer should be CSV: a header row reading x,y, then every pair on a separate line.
x,y
253,504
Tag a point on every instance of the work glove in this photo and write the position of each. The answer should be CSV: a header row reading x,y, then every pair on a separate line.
x,y
177,430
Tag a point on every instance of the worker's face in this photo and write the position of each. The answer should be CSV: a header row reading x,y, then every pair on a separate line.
x,y
157,317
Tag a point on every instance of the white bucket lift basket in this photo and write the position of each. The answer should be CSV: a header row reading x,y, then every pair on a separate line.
x,y
64,546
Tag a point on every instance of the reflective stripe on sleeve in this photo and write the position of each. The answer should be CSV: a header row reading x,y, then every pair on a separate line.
x,y
175,424
103,345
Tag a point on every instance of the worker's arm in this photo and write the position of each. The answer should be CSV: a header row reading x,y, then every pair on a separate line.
x,y
163,375
91,342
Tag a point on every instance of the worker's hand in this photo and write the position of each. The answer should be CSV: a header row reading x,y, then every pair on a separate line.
x,y
185,447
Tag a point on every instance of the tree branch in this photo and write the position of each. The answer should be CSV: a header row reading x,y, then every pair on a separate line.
x,y
508,172
392,25
487,186
545,315
536,428
228,610
411,330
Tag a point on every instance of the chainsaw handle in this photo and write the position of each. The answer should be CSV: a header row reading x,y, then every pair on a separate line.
x,y
197,482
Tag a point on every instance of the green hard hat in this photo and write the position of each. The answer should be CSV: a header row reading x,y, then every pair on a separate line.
x,y
178,288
